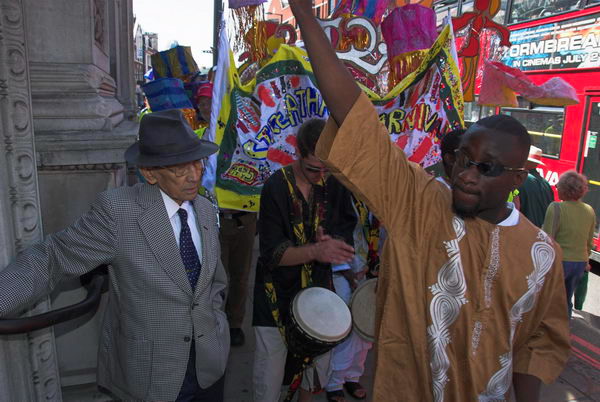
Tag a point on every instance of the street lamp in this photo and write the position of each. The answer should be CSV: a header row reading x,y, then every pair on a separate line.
x,y
277,14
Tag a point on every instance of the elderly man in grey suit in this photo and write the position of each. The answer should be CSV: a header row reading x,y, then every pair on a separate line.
x,y
165,336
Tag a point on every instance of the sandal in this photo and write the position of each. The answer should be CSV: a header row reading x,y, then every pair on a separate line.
x,y
353,388
336,396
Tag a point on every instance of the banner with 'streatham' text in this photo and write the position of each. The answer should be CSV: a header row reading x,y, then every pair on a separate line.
x,y
258,121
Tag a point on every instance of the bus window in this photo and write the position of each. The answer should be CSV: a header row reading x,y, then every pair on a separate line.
x,y
474,111
545,125
591,161
526,10
499,17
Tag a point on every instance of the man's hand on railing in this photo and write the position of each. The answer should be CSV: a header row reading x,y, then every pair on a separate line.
x,y
95,282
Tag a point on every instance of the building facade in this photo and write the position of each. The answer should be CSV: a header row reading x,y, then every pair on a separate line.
x,y
280,11
67,113
145,45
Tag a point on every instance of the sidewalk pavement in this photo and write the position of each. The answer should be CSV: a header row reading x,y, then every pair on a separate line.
x,y
580,381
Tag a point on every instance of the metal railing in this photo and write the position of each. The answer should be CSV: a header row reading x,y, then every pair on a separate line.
x,y
96,282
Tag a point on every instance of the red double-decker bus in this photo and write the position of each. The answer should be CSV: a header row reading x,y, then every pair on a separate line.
x,y
553,38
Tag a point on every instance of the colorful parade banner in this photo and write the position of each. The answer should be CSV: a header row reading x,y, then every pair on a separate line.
x,y
426,104
257,122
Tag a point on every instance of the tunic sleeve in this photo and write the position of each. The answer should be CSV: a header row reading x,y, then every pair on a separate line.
x,y
545,353
361,155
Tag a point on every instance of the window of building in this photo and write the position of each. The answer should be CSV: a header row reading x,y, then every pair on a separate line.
x,y
545,125
284,3
527,10
318,12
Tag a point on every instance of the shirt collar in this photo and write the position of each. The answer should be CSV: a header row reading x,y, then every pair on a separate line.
x,y
513,218
172,206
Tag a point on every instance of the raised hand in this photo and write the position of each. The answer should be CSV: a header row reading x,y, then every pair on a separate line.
x,y
335,82
301,6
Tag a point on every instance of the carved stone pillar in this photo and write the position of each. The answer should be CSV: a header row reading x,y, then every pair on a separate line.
x,y
121,52
71,85
28,370
82,88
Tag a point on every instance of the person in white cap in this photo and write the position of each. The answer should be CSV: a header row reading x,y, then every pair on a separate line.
x,y
535,194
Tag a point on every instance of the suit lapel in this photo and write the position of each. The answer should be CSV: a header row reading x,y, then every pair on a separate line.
x,y
203,211
156,227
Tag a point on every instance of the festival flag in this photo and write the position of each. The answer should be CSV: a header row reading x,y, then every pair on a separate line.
x,y
500,84
426,104
225,80
257,122
372,9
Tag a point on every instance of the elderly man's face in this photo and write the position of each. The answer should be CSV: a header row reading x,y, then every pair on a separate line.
x,y
180,182
475,193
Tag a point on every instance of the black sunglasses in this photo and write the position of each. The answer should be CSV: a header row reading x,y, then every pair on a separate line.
x,y
489,169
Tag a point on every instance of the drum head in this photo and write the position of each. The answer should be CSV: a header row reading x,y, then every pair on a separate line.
x,y
322,314
362,306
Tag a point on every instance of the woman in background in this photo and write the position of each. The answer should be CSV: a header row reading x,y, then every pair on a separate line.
x,y
571,223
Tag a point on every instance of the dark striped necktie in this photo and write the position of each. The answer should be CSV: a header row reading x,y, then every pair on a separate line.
x,y
189,255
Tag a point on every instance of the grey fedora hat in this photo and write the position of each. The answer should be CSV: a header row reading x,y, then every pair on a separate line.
x,y
165,138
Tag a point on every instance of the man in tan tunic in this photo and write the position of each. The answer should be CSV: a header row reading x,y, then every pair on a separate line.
x,y
471,296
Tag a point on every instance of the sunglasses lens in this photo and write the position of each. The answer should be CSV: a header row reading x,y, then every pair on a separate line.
x,y
490,169
485,168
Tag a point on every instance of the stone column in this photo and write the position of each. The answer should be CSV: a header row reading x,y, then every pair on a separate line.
x,y
81,64
28,370
121,53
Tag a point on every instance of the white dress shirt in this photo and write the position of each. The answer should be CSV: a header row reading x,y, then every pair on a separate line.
x,y
172,208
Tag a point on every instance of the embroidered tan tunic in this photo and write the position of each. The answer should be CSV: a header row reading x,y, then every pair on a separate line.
x,y
461,304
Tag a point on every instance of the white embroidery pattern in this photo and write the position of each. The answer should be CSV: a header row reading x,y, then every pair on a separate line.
x,y
448,298
543,256
492,267
543,236
477,328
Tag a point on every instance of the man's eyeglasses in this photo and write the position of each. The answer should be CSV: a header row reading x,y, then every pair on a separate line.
x,y
490,169
184,169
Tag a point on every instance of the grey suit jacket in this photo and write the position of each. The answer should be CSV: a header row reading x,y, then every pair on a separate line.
x,y
152,314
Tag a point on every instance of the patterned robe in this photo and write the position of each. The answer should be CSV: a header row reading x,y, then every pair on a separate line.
x,y
461,304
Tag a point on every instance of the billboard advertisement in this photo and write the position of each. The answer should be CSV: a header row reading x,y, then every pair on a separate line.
x,y
573,43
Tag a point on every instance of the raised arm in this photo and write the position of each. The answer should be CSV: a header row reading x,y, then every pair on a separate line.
x,y
335,82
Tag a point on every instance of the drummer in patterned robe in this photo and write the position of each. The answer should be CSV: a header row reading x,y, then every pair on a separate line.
x,y
470,298
306,223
